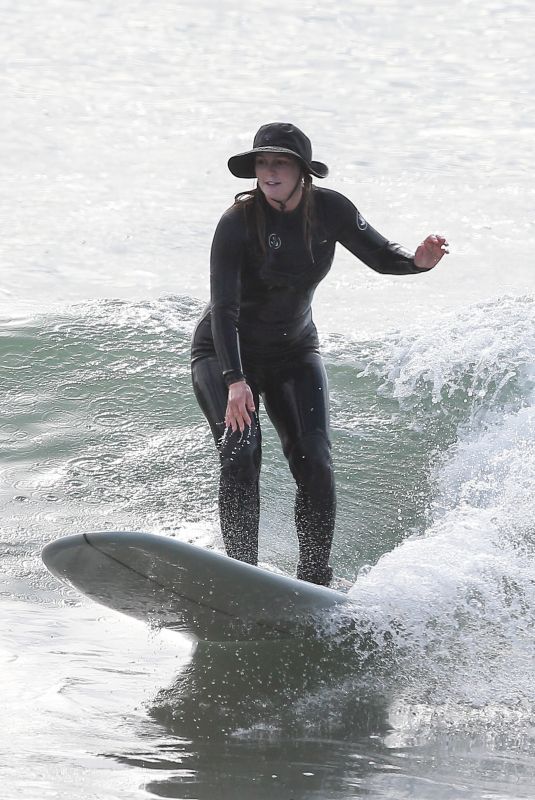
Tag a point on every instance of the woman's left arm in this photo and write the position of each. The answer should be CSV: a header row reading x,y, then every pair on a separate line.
x,y
377,252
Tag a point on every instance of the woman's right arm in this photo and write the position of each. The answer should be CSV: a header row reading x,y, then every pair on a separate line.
x,y
225,290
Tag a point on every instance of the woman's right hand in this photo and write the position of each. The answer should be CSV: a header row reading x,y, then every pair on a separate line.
x,y
239,405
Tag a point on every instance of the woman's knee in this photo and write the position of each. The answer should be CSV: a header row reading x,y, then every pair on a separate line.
x,y
241,453
311,463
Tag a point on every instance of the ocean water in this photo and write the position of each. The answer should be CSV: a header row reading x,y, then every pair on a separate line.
x,y
118,120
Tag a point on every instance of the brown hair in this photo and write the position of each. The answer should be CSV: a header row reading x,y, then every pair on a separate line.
x,y
253,199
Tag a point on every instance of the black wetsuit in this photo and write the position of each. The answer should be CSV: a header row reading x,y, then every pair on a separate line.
x,y
259,325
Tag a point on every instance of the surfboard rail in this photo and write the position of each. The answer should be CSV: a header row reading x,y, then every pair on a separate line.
x,y
201,593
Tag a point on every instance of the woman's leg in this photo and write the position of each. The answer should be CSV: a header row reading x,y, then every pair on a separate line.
x,y
240,458
296,397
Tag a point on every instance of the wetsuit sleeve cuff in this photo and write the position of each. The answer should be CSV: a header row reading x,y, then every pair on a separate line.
x,y
420,269
233,376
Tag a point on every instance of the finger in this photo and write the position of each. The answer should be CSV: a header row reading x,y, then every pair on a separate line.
x,y
238,419
230,418
436,248
230,422
434,239
244,420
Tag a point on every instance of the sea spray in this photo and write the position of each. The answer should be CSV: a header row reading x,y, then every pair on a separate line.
x,y
459,597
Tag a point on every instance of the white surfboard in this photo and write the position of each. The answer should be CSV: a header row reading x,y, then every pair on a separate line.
x,y
203,594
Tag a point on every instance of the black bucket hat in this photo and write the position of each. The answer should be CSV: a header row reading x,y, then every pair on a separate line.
x,y
277,137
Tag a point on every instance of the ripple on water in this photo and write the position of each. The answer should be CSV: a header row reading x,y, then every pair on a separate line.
x,y
72,391
113,413
96,479
13,433
97,464
103,494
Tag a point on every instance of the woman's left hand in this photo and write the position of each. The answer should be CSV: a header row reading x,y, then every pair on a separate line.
x,y
429,253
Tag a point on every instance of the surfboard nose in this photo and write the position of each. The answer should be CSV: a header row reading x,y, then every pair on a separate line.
x,y
61,555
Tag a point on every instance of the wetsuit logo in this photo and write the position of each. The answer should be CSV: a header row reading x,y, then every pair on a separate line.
x,y
361,222
274,241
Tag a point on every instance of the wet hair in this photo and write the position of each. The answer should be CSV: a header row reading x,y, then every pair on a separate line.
x,y
253,200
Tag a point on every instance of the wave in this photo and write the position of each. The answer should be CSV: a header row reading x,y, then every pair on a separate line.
x,y
458,596
434,450
477,359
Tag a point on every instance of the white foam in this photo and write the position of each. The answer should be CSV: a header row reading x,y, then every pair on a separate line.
x,y
482,354
459,601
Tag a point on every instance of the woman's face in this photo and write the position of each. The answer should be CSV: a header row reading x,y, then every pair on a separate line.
x,y
277,176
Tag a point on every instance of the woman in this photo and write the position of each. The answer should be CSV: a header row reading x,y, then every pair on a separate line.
x,y
257,338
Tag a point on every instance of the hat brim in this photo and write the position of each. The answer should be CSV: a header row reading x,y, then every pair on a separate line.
x,y
242,165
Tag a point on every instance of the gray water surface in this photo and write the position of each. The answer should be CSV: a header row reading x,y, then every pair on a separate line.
x,y
118,121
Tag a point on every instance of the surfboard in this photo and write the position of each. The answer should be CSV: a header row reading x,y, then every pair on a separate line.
x,y
201,593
